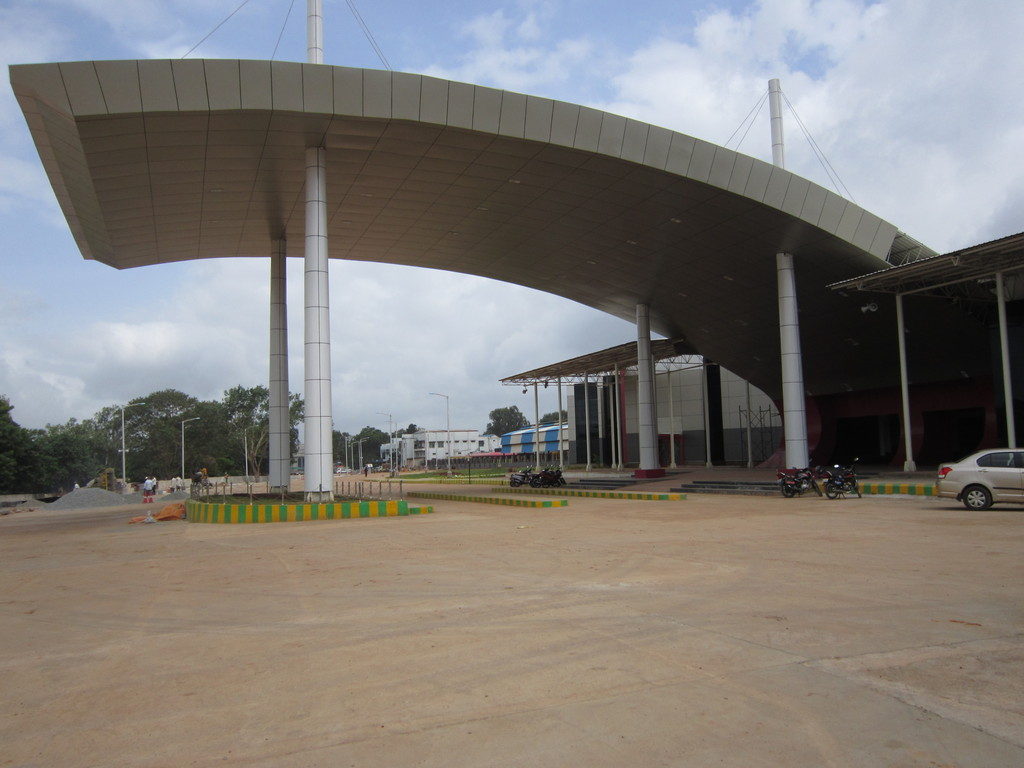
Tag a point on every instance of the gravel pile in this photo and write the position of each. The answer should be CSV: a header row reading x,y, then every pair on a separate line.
x,y
86,498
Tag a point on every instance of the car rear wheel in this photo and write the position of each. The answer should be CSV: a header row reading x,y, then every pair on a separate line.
x,y
976,497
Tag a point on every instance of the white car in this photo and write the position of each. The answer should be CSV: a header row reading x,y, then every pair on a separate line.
x,y
983,478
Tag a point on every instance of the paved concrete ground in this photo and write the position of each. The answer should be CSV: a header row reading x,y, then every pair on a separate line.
x,y
713,631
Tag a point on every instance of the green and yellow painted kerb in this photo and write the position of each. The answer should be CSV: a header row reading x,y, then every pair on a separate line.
x,y
908,489
506,502
629,495
203,512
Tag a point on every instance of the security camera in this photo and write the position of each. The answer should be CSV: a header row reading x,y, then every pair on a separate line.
x,y
870,307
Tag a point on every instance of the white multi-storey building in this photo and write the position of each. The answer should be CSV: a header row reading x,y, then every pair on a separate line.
x,y
430,447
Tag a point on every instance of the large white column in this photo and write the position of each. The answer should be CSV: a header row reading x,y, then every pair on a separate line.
x,y
561,458
536,428
280,424
617,418
705,397
1004,352
319,454
775,110
314,31
750,445
586,413
671,421
646,427
794,417
909,465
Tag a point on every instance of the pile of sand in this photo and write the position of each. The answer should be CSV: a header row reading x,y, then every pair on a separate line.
x,y
87,498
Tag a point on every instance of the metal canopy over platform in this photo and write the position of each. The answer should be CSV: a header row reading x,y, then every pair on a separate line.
x,y
964,274
160,161
604,361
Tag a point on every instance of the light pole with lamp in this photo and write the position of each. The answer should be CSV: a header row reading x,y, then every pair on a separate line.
x,y
124,472
183,423
448,419
391,447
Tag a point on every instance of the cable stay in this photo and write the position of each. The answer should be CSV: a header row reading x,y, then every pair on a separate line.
x,y
830,171
368,34
221,24
748,121
281,33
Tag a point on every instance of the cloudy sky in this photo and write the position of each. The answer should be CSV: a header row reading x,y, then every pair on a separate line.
x,y
916,103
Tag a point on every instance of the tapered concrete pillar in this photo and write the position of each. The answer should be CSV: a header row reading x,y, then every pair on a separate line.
x,y
1004,356
909,465
646,427
278,470
586,414
794,417
319,453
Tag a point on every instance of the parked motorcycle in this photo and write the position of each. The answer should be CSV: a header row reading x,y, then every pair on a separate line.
x,y
840,481
796,482
547,478
522,477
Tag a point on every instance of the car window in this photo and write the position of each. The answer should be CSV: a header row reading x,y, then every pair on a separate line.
x,y
1000,459
1018,459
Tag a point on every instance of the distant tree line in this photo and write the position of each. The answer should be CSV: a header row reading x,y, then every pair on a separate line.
x,y
60,455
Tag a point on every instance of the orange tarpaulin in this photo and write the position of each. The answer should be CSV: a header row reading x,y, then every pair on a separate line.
x,y
170,512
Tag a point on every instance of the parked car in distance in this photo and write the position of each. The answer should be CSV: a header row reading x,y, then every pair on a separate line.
x,y
983,478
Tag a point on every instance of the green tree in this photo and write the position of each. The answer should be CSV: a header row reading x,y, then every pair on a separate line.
x,y
373,439
247,410
70,453
153,432
20,460
552,418
504,420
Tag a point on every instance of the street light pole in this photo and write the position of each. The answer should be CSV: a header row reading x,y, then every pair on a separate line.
x,y
183,423
448,420
124,477
391,447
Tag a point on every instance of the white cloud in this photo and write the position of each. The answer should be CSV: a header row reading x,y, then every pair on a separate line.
x,y
909,100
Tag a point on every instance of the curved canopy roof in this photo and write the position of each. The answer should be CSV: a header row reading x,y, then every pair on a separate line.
x,y
160,161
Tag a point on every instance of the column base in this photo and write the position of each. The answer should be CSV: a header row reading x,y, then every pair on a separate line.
x,y
319,496
659,472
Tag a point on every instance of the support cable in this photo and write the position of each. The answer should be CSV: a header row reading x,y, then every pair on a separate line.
x,y
224,21
368,34
749,117
830,171
281,33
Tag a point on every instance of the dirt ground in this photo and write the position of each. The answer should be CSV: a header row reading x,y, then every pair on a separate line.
x,y
726,631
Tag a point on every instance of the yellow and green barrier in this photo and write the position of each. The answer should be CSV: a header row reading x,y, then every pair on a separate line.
x,y
628,495
909,489
537,503
203,512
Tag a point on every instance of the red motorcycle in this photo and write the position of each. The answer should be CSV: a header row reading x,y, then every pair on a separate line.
x,y
796,482
547,478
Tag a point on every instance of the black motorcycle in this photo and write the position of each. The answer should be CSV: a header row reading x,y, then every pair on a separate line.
x,y
547,478
841,481
796,482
